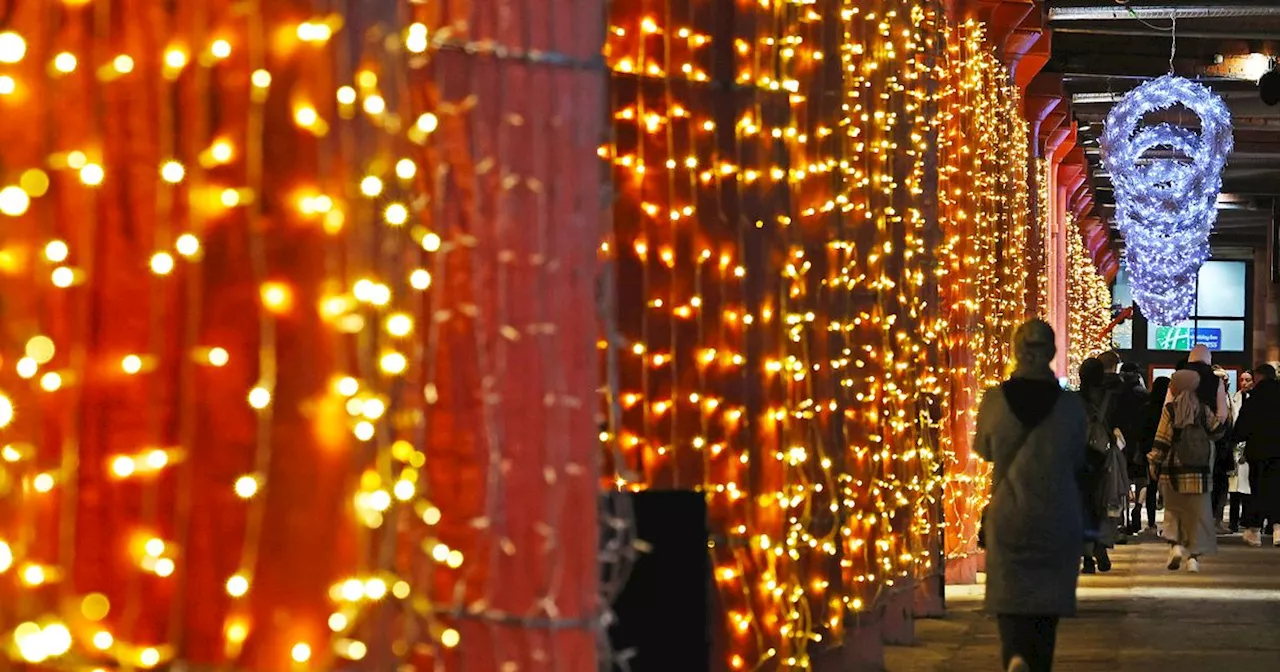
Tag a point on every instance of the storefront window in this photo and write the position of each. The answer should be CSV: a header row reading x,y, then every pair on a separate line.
x,y
1220,310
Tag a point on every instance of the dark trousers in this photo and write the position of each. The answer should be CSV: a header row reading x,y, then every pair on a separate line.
x,y
1264,502
1148,502
1032,637
1239,508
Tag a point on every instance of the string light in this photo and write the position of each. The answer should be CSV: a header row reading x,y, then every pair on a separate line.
x,y
875,319
1088,303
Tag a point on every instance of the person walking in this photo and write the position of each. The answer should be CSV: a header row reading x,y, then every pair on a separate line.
x,y
1034,434
1238,503
1149,491
1182,459
1107,484
1223,462
1259,429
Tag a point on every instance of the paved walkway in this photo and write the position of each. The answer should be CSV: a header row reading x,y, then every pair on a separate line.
x,y
1140,617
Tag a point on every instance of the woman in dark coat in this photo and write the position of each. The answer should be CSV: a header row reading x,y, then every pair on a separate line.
x,y
1034,433
1151,413
1107,480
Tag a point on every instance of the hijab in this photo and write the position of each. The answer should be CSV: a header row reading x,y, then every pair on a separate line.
x,y
1185,405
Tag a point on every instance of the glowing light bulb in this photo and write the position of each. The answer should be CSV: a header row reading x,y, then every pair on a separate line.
x,y
396,214
399,324
431,242
259,398
123,64
6,410
123,466
102,640
393,363
222,151
12,47
276,297
260,79
65,62
306,117
428,123
406,169
220,49
154,547
375,589
218,357
172,172
375,105
246,487
43,482
346,95
63,277
237,585
162,263
175,59
56,251
371,186
187,245
300,653
14,201
131,364
157,459
149,657
50,382
92,174
420,279
450,638
33,575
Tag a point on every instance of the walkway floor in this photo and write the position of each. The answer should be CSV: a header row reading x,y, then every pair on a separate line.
x,y
1139,617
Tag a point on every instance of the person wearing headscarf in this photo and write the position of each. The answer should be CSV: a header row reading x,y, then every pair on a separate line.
x,y
1148,489
1182,456
1034,434
1211,390
1107,484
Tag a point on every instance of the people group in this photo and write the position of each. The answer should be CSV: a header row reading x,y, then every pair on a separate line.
x,y
1073,474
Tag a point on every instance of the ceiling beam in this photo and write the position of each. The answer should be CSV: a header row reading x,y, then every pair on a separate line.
x,y
1143,31
1109,10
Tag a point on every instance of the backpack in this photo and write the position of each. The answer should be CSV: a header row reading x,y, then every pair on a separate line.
x,y
1097,433
1192,446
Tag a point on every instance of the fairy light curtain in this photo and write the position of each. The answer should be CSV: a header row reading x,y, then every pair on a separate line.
x,y
985,217
1088,303
810,291
293,372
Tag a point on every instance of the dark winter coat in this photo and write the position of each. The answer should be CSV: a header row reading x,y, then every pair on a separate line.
x,y
1035,522
1258,425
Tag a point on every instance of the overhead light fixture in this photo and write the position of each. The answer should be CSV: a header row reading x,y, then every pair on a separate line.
x,y
1255,66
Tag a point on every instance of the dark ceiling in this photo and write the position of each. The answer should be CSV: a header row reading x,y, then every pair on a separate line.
x,y
1103,50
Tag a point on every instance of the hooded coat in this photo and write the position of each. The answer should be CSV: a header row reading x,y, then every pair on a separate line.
x,y
1034,434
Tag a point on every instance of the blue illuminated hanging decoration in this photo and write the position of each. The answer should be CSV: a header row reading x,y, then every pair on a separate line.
x,y
1166,206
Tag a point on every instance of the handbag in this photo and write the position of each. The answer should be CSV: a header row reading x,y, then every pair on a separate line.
x,y
982,520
